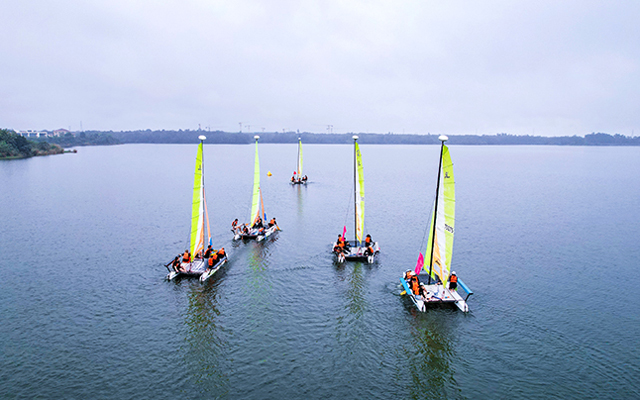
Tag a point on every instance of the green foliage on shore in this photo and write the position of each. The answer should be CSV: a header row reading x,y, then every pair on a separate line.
x,y
89,138
13,145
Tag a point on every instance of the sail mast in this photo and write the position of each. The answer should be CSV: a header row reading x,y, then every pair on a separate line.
x,y
204,205
355,192
443,139
298,166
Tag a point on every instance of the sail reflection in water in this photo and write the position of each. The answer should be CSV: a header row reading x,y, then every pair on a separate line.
x,y
205,342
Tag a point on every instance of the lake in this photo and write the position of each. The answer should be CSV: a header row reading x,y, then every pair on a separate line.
x,y
546,237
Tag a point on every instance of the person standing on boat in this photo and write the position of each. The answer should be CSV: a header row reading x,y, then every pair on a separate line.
x,y
234,224
453,281
207,253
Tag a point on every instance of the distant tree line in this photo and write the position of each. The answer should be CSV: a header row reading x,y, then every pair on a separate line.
x,y
13,145
88,138
220,137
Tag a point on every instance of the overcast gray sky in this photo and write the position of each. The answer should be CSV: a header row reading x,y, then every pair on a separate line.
x,y
457,67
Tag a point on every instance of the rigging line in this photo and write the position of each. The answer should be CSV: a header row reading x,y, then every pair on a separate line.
x,y
426,227
346,214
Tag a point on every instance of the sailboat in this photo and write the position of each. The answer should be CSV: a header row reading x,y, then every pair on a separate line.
x,y
441,283
358,249
257,228
298,178
193,263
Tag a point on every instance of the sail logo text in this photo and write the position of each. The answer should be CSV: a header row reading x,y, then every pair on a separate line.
x,y
448,228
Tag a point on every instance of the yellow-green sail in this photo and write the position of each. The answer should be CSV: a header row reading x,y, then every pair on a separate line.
x,y
256,199
198,206
359,194
445,220
299,169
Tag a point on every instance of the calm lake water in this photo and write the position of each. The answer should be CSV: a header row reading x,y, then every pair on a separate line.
x,y
547,237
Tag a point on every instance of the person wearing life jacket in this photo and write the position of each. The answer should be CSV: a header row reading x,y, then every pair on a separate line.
x,y
221,253
175,264
272,222
368,251
258,223
234,225
453,281
213,259
414,284
368,241
186,257
293,178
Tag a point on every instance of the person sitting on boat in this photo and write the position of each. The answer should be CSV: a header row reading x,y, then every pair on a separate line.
x,y
272,222
304,178
368,251
221,253
414,284
453,281
213,259
186,257
245,229
175,264
258,223
368,241
234,224
293,178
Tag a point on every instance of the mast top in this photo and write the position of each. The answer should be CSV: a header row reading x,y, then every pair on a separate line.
x,y
443,138
202,137
355,137
298,139
256,137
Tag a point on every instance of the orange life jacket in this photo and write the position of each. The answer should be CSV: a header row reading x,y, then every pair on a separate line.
x,y
415,285
272,222
221,253
453,279
367,240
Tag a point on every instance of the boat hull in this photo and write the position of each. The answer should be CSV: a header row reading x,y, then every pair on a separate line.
x,y
435,294
255,235
357,253
210,272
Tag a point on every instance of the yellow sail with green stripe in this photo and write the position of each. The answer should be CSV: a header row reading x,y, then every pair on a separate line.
x,y
359,193
198,207
257,207
444,219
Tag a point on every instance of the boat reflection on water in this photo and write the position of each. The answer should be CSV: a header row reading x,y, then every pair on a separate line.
x,y
205,346
351,327
429,355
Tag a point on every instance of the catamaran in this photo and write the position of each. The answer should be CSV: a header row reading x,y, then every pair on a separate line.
x,y
258,228
358,249
197,265
298,178
439,248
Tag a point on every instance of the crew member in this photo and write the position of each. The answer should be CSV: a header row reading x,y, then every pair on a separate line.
x,y
453,281
272,222
186,257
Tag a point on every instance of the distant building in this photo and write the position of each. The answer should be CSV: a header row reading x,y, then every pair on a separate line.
x,y
60,132
33,134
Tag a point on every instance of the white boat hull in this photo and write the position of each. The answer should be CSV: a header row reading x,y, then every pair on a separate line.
x,y
357,253
435,294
